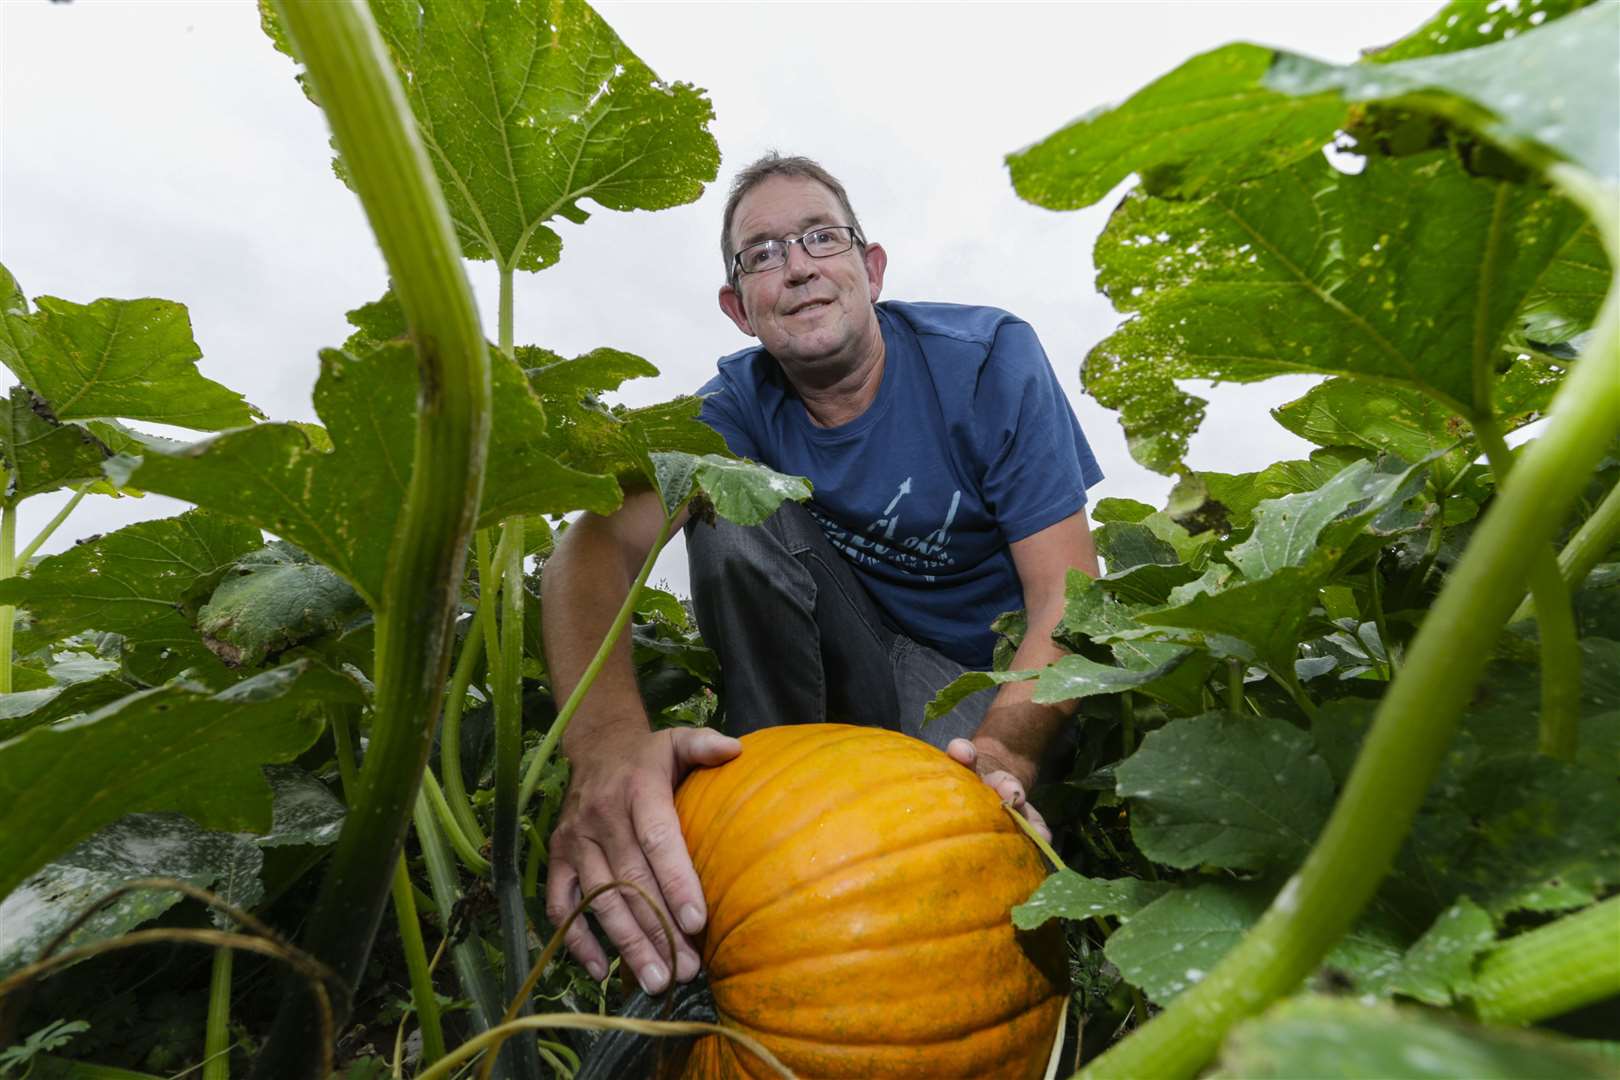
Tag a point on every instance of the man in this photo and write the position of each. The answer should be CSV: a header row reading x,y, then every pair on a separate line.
x,y
950,478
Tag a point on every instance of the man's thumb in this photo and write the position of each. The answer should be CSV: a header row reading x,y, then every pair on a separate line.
x,y
702,746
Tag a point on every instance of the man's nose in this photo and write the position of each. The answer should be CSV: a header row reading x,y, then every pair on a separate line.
x,y
800,266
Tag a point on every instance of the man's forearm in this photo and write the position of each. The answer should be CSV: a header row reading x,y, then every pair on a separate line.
x,y
582,589
1014,725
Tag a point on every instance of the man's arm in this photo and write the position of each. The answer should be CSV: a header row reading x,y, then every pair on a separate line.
x,y
618,818
1006,750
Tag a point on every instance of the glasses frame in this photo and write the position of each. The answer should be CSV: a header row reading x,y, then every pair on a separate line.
x,y
737,269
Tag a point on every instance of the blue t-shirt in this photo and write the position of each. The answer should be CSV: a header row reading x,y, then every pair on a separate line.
x,y
969,446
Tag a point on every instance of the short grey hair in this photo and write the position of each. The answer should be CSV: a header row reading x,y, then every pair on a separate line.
x,y
775,164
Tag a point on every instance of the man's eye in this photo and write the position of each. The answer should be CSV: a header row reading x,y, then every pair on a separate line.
x,y
757,256
823,237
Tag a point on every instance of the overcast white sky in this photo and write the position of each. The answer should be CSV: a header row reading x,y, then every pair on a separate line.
x,y
163,149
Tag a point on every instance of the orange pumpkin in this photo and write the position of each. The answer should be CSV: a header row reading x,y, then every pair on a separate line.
x,y
858,883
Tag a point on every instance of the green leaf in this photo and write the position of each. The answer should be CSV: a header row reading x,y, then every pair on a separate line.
x,y
1072,677
33,708
1241,792
1565,301
528,108
341,505
1397,275
740,491
1068,895
1239,493
1385,419
42,454
1207,123
1315,526
1322,1036
269,601
133,847
1179,938
304,812
1439,967
1245,619
132,582
1547,95
1114,509
128,358
966,685
582,377
1467,24
1125,545
173,748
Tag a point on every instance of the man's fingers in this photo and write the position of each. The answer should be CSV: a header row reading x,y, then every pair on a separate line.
x,y
562,896
658,831
643,955
962,751
1034,817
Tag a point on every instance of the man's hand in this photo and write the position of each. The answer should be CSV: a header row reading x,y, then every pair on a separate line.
x,y
618,822
1008,775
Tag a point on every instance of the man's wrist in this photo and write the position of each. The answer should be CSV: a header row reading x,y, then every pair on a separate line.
x,y
993,753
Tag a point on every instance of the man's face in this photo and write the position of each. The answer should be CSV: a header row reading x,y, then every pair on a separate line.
x,y
809,309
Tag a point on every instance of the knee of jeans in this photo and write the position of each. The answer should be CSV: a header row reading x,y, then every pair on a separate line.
x,y
725,553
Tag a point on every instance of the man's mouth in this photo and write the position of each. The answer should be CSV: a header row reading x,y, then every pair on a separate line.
x,y
808,305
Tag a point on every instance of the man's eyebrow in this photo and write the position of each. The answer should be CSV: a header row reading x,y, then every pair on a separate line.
x,y
805,223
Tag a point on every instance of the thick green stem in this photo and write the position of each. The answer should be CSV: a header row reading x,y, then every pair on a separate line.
x,y
1591,542
217,1038
52,525
1285,678
416,962
8,569
1413,727
1555,625
531,778
455,789
1234,687
1553,969
507,874
503,320
354,81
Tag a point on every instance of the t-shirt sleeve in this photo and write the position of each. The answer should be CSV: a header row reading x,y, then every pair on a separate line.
x,y
720,412
1037,463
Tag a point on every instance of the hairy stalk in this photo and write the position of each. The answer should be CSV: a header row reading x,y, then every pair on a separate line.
x,y
507,875
531,779
217,1038
416,962
1555,625
503,319
8,568
1415,722
1552,969
55,523
348,66
489,592
460,842
1593,540
472,966
455,789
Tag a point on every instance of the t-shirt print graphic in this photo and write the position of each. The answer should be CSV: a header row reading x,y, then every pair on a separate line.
x,y
920,553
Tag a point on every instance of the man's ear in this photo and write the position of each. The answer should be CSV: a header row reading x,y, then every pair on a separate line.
x,y
877,260
731,303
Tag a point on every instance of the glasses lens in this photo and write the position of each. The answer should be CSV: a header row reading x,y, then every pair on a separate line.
x,y
833,240
766,255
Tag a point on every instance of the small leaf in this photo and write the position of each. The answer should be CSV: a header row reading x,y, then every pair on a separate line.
x,y
966,685
1068,895
1239,792
742,491
114,358
1439,967
269,601
41,453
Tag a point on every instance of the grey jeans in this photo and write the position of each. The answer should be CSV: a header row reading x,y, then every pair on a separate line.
x,y
801,641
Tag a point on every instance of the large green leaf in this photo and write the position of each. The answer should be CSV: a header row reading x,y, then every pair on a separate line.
x,y
269,601
1241,792
1439,967
1566,300
1242,618
1401,274
739,491
340,505
1341,1037
40,453
527,108
1175,941
1207,123
174,748
32,708
132,582
1547,95
160,845
1239,493
128,358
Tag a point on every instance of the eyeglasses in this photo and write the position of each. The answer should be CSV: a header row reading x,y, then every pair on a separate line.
x,y
818,243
